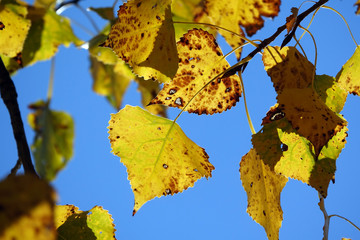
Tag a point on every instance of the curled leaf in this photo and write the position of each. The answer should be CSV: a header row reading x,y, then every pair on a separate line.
x,y
160,159
201,60
290,20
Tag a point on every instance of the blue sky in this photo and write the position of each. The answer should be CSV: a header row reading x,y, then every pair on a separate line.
x,y
214,208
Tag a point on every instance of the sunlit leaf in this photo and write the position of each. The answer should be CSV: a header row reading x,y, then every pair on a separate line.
x,y
27,205
71,223
45,3
349,75
11,64
149,89
291,155
143,36
235,13
160,159
263,187
15,28
200,61
111,80
48,31
53,143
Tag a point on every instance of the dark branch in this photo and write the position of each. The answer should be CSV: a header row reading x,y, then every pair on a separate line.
x,y
65,3
268,40
9,96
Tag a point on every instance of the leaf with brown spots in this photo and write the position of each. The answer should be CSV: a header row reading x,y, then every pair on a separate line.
x,y
144,37
160,159
292,76
263,187
201,60
235,13
349,75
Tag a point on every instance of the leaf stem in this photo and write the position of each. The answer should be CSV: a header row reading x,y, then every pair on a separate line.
x,y
315,61
326,217
88,17
335,215
252,129
9,96
51,80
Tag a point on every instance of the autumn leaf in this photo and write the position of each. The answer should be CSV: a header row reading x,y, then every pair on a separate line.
x,y
71,223
290,20
263,187
292,76
233,14
143,36
349,75
110,80
45,3
53,143
106,13
160,159
27,209
48,31
201,60
149,89
15,28
358,7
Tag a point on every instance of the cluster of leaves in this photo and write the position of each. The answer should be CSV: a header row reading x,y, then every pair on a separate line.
x,y
173,43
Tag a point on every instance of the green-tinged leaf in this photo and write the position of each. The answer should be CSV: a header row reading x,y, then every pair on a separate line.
x,y
330,92
45,3
10,63
15,28
71,223
27,209
106,13
201,60
291,155
111,81
160,159
149,89
349,75
48,31
263,187
143,36
53,143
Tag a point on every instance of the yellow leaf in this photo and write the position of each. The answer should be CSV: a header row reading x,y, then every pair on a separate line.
x,y
349,75
358,7
160,159
14,30
110,80
27,205
310,116
200,61
144,37
232,14
287,68
149,90
45,3
263,187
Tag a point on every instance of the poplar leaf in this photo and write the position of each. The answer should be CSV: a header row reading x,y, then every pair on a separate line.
x,y
160,159
144,37
349,75
200,61
290,20
53,143
106,13
71,223
263,187
292,76
45,3
245,13
149,90
48,31
14,30
110,80
27,205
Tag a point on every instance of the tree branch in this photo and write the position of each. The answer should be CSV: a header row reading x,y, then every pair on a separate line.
x,y
9,96
268,40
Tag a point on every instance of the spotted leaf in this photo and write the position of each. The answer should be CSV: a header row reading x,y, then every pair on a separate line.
x,y
263,187
349,75
144,37
201,60
160,159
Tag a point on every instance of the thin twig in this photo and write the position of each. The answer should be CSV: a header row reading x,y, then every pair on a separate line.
x,y
268,40
326,217
335,215
65,3
9,96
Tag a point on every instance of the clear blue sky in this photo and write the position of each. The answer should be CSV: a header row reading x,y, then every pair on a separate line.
x,y
214,208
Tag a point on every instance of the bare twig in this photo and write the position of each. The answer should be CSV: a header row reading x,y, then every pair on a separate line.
x,y
9,96
268,40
